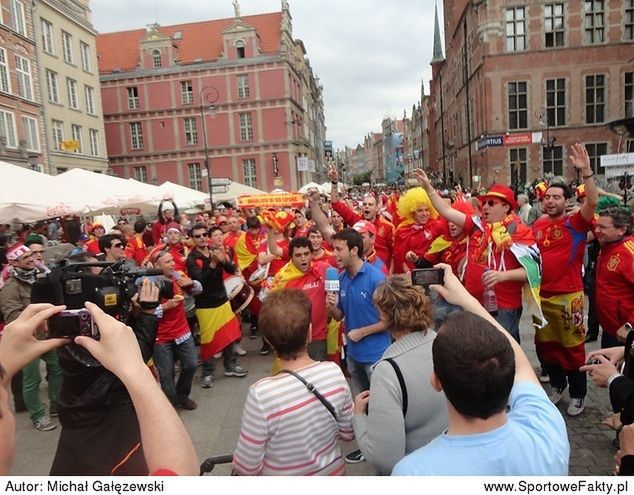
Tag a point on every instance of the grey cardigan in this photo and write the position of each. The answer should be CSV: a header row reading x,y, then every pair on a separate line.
x,y
383,435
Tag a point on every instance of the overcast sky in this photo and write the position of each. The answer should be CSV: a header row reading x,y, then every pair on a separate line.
x,y
370,55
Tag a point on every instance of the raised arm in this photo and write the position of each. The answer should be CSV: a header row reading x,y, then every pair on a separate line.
x,y
333,175
440,204
580,160
319,217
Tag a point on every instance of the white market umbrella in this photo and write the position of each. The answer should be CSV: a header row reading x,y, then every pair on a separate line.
x,y
327,187
312,185
235,189
29,196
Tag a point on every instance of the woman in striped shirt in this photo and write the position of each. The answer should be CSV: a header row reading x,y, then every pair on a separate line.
x,y
286,428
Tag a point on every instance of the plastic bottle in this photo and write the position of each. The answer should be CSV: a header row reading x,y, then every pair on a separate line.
x,y
490,300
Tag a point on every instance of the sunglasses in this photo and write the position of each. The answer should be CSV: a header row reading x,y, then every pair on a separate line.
x,y
118,245
492,202
198,236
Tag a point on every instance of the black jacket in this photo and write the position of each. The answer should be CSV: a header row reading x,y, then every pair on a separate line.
x,y
214,293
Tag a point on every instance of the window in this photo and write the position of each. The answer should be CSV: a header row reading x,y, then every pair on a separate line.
x,y
71,85
595,99
243,86
23,73
246,127
556,102
156,59
195,177
7,128
84,50
594,25
76,131
136,135
94,142
133,98
518,105
90,99
30,133
250,176
629,20
52,85
140,173
47,37
67,47
187,92
58,135
5,81
629,94
554,24
595,150
240,49
191,136
17,17
518,165
515,29
554,160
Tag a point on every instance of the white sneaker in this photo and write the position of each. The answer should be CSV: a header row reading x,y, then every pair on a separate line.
x,y
44,424
207,381
556,394
239,350
576,407
543,377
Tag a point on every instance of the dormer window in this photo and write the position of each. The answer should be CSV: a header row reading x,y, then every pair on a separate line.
x,y
240,49
156,59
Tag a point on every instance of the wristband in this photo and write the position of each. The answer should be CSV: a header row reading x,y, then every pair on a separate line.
x,y
588,176
148,304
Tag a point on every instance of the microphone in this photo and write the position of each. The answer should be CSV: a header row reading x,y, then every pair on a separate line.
x,y
332,280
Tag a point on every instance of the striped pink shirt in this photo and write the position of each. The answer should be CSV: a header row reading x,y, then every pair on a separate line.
x,y
287,431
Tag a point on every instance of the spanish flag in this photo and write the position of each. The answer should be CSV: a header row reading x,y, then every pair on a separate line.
x,y
219,328
246,249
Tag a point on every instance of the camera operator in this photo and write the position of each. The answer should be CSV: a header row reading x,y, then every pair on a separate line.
x,y
100,430
119,352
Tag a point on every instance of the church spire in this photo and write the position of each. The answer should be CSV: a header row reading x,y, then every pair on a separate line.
x,y
438,55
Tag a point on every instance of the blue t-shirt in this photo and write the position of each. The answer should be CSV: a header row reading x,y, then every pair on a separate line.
x,y
533,442
355,300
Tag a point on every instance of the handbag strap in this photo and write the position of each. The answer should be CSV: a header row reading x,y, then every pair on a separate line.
x,y
311,388
401,381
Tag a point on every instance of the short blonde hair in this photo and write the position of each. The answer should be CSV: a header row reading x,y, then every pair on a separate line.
x,y
402,305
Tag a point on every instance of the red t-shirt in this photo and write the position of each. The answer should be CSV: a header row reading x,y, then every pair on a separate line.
x,y
414,237
279,262
174,322
92,247
136,249
562,244
452,255
615,284
312,283
509,294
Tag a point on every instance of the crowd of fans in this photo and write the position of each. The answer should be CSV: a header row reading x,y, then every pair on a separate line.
x,y
437,375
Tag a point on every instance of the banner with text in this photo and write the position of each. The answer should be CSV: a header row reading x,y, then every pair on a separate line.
x,y
271,200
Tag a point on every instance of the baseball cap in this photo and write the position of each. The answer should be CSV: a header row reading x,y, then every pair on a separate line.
x,y
364,226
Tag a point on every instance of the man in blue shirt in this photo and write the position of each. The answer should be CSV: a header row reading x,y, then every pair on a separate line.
x,y
482,369
366,335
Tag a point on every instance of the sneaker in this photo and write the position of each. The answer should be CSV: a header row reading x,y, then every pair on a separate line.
x,y
543,377
239,350
237,371
188,404
44,424
576,406
555,394
254,332
355,457
265,349
207,381
54,414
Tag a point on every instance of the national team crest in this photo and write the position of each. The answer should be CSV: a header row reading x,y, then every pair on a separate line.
x,y
557,234
613,262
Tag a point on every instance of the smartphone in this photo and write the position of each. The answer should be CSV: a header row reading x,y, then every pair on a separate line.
x,y
428,276
72,323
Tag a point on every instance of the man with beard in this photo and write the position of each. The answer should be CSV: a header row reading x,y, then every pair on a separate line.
x,y
384,244
562,241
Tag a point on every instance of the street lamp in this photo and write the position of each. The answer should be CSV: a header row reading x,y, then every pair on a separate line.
x,y
208,96
548,143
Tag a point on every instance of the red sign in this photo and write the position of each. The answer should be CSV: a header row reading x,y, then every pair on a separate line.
x,y
271,200
130,211
518,139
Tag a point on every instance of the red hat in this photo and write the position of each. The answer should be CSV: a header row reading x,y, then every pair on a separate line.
x,y
96,226
16,251
580,191
173,226
540,190
364,226
500,191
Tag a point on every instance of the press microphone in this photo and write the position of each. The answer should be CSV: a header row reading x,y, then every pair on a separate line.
x,y
332,280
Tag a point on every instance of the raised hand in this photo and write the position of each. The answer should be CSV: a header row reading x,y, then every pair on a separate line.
x,y
333,175
579,159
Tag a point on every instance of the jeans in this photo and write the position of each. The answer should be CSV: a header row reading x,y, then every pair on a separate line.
x,y
31,380
510,320
360,374
229,361
164,357
442,309
576,379
317,350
